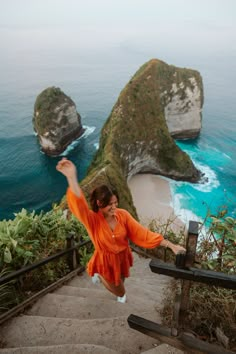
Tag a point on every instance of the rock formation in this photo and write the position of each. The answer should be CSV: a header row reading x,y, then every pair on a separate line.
x,y
182,102
56,121
135,138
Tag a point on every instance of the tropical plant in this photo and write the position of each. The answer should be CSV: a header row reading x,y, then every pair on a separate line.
x,y
217,244
30,237
211,307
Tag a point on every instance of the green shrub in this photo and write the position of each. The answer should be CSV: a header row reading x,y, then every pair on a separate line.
x,y
31,237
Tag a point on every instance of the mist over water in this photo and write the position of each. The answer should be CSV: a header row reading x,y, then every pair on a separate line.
x,y
93,73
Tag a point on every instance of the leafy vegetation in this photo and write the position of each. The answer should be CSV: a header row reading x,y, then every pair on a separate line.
x,y
217,247
29,238
211,307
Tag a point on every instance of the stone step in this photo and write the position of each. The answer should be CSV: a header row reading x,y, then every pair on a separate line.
x,y
145,288
25,331
155,280
134,293
149,279
61,349
63,306
141,299
100,293
83,280
132,290
163,349
142,273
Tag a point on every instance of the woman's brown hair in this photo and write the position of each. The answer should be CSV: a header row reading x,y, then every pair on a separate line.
x,y
102,194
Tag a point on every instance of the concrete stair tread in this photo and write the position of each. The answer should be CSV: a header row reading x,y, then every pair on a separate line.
x,y
63,306
132,286
137,287
163,349
61,349
25,331
133,291
154,281
82,317
84,281
149,274
84,292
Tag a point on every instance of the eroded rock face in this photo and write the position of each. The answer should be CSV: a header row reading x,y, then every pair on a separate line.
x,y
136,137
183,111
56,121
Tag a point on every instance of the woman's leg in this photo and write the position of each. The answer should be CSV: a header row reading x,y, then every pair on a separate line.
x,y
118,290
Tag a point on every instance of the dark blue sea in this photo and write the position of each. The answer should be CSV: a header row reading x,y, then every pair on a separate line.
x,y
93,78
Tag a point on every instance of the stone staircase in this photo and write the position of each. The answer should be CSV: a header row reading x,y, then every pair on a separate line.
x,y
81,317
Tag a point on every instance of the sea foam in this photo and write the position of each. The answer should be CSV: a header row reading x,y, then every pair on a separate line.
x,y
96,145
87,132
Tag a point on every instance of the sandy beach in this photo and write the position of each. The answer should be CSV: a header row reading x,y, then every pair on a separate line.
x,y
152,199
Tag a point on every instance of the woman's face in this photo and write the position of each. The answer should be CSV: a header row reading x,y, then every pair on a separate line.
x,y
110,209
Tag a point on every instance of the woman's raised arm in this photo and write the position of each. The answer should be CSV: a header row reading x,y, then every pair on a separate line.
x,y
68,169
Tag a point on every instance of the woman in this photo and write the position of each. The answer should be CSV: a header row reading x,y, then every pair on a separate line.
x,y
109,228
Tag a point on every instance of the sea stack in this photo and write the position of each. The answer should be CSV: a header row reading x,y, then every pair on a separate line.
x,y
56,121
160,102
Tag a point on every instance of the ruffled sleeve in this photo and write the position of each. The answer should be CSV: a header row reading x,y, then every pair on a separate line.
x,y
140,235
79,207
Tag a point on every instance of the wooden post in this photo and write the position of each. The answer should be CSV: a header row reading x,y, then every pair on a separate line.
x,y
189,261
71,258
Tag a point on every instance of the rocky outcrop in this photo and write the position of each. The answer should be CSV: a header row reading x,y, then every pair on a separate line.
x,y
135,138
183,105
56,121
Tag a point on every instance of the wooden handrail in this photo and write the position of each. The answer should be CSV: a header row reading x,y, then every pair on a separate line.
x,y
183,341
6,278
184,270
194,274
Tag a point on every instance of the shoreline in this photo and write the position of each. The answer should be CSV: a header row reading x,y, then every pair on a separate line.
x,y
153,200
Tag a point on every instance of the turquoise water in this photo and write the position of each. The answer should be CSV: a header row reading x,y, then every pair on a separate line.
x,y
94,80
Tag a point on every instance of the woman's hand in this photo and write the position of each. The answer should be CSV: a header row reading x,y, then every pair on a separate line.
x,y
67,168
176,249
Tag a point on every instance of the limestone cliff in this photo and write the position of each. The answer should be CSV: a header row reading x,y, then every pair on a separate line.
x,y
56,121
135,138
182,99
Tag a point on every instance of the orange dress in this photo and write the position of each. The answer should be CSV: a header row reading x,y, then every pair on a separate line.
x,y
112,257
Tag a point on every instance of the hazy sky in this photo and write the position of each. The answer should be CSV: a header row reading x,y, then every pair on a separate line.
x,y
95,22
104,13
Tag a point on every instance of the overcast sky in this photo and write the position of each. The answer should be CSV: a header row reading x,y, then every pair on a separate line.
x,y
104,13
45,24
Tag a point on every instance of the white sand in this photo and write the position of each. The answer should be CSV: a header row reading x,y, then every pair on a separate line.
x,y
152,199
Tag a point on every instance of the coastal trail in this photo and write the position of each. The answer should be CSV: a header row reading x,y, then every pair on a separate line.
x,y
82,317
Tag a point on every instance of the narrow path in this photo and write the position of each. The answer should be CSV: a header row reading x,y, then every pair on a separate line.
x,y
81,317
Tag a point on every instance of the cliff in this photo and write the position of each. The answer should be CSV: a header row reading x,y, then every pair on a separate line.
x,y
56,121
135,138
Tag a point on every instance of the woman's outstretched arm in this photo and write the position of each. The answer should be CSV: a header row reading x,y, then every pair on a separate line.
x,y
174,247
143,237
68,169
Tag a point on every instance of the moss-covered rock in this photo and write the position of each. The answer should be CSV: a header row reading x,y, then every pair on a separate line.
x,y
56,121
135,137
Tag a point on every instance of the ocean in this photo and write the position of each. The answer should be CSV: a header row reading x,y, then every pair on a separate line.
x,y
93,78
